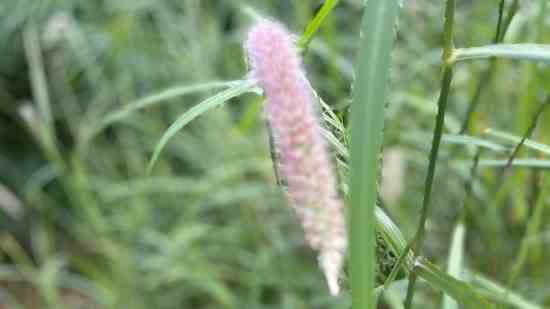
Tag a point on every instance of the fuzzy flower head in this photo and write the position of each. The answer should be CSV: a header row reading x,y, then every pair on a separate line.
x,y
305,163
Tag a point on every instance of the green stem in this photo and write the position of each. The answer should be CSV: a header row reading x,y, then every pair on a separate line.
x,y
499,22
528,133
487,75
438,132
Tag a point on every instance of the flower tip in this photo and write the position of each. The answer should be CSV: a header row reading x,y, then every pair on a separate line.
x,y
333,286
331,269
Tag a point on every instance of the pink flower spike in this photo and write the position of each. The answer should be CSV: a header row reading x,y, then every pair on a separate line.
x,y
305,163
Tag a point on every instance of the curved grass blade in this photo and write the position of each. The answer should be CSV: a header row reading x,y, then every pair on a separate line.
x,y
392,235
516,139
340,148
315,23
525,51
197,110
155,99
498,293
459,290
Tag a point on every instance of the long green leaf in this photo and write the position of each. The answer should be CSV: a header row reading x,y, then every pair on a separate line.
x,y
526,51
516,139
459,139
530,163
155,99
44,127
367,122
316,22
392,235
459,290
498,293
454,266
197,110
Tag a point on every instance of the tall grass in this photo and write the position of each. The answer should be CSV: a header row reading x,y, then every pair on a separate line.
x,y
367,118
88,90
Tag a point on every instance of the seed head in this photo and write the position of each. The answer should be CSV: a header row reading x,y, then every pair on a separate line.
x,y
305,163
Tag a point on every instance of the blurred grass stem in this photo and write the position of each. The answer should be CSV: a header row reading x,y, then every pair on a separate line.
x,y
448,33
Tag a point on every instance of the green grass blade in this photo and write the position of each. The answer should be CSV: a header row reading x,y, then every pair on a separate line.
x,y
39,85
197,110
525,51
340,148
367,122
421,138
459,139
316,22
155,99
463,293
516,139
391,234
526,163
455,264
45,128
498,293
533,227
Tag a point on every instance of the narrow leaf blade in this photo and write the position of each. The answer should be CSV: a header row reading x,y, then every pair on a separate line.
x,y
197,110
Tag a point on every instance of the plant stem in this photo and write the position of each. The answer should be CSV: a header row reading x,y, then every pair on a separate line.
x,y
438,132
528,133
501,179
487,75
535,220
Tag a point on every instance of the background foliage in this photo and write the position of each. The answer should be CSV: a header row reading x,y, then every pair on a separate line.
x,y
83,227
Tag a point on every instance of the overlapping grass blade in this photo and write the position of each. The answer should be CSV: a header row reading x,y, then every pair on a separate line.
x,y
316,22
460,139
197,110
516,139
526,163
525,51
459,290
392,235
498,293
455,262
44,128
156,99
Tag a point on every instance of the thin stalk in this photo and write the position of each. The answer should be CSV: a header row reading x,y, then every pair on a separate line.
x,y
367,123
499,21
487,75
500,177
535,220
528,133
532,227
448,34
511,13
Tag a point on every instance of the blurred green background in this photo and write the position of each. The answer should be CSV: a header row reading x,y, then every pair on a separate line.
x,y
83,227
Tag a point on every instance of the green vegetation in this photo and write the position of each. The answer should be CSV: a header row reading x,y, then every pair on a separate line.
x,y
135,169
